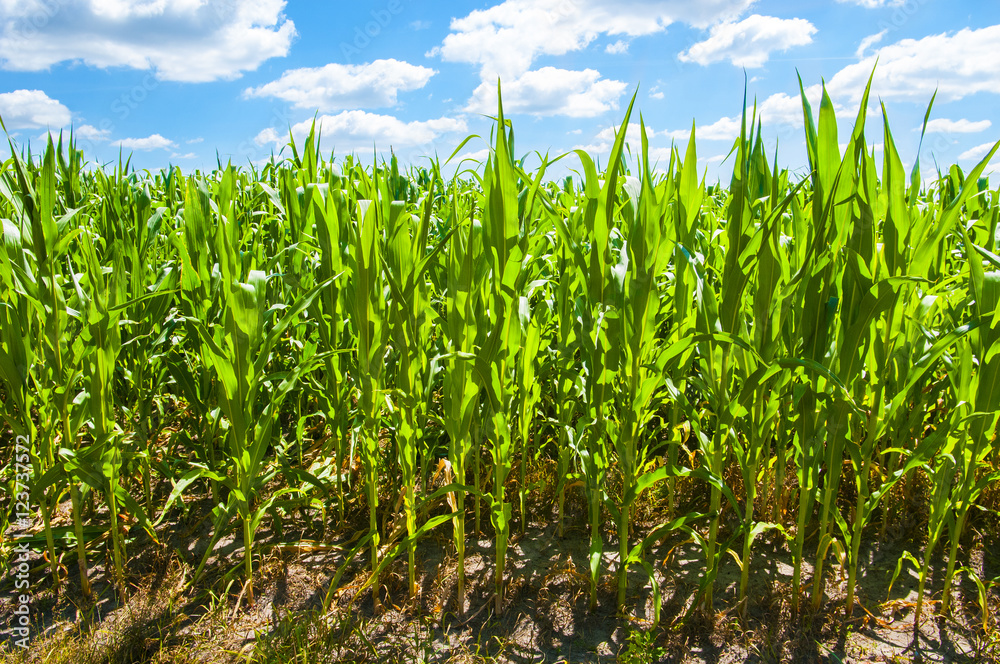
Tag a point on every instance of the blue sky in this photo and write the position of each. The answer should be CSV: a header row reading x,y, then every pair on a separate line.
x,y
177,81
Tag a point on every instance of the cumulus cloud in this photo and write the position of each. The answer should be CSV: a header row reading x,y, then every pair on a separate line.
x,y
337,87
86,133
659,151
868,42
633,133
32,109
874,4
617,48
91,133
182,40
477,155
780,112
912,69
153,142
750,42
723,129
977,153
963,126
360,131
504,40
269,135
551,91
786,109
909,70
605,138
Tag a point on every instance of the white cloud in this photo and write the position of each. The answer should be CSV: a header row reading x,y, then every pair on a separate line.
x,y
785,109
31,109
909,70
780,111
189,155
633,133
338,87
504,40
91,133
420,25
82,133
153,142
963,126
478,155
659,156
723,129
605,138
360,131
594,148
551,91
977,153
874,4
269,135
194,140
912,69
617,48
750,42
869,41
182,40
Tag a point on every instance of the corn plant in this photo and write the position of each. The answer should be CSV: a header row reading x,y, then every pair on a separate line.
x,y
406,260
317,333
505,249
644,355
327,207
596,335
566,385
366,305
534,324
239,350
460,391
984,387
56,374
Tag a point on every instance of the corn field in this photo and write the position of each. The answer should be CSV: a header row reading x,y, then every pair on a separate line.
x,y
788,354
